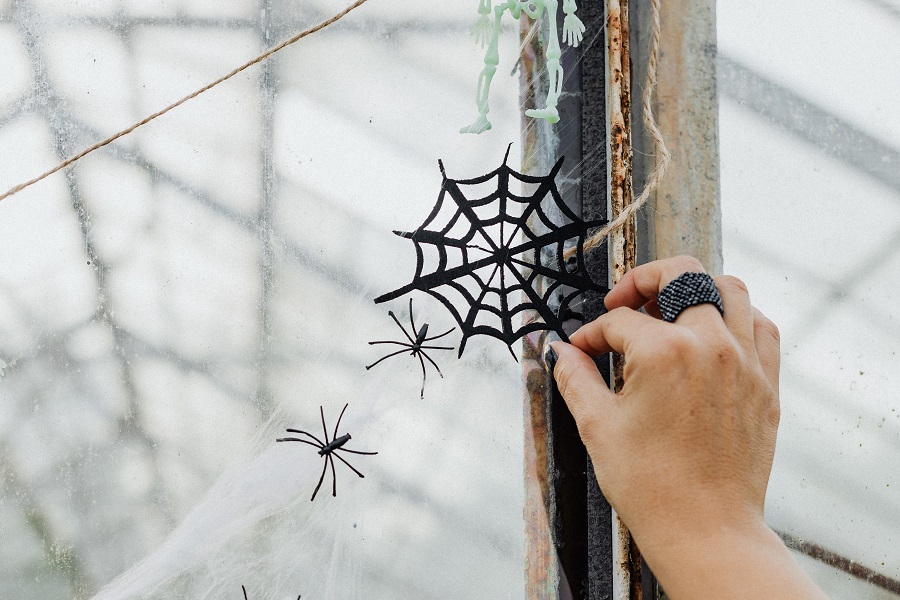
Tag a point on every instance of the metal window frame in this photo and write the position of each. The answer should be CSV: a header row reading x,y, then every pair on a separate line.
x,y
575,546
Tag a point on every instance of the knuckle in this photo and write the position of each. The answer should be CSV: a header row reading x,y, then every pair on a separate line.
x,y
732,282
772,406
689,263
615,313
764,325
774,413
672,344
725,350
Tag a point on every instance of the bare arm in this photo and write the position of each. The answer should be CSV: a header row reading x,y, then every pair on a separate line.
x,y
684,451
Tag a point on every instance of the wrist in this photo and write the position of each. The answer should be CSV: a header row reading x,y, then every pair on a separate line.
x,y
738,558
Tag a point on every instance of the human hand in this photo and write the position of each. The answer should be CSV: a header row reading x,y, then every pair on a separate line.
x,y
683,452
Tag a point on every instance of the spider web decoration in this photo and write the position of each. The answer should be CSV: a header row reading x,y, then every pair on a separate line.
x,y
491,260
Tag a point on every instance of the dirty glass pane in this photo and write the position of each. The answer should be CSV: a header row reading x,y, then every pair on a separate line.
x,y
173,302
810,139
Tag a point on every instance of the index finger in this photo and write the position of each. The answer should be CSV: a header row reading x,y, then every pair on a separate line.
x,y
642,284
612,331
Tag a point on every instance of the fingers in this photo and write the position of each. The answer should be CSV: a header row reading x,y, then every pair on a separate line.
x,y
652,309
738,315
582,386
768,346
614,331
642,284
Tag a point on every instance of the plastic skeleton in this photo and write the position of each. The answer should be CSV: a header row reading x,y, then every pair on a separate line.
x,y
573,31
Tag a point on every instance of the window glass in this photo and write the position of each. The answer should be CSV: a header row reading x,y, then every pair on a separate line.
x,y
810,143
173,302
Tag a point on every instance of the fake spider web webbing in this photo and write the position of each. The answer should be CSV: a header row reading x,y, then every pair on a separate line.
x,y
500,259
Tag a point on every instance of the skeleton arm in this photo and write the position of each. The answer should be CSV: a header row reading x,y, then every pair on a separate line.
x,y
573,28
482,28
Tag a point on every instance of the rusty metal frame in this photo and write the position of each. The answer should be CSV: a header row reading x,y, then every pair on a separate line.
x,y
566,515
568,539
623,246
597,129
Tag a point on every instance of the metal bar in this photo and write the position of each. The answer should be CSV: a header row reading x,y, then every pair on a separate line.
x,y
568,541
542,570
686,218
594,205
842,563
823,130
627,580
265,217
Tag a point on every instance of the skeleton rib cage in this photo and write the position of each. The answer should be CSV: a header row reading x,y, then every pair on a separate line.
x,y
504,264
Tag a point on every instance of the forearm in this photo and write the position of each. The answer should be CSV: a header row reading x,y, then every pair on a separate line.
x,y
684,449
743,562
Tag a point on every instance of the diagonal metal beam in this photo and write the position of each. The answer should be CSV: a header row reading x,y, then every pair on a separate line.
x,y
809,122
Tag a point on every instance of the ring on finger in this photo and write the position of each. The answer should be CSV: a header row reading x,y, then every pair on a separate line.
x,y
686,290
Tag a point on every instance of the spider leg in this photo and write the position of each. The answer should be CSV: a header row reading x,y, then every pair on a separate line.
x,y
422,362
245,592
333,476
325,429
433,363
390,342
439,336
299,440
355,451
387,356
338,424
399,324
321,479
349,465
436,348
306,433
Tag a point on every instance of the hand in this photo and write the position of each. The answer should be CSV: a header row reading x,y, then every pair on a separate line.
x,y
573,28
482,30
683,452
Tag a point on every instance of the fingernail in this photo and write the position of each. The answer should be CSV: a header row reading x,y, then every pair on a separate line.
x,y
550,358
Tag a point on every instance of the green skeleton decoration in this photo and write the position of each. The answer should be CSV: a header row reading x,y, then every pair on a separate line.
x,y
486,33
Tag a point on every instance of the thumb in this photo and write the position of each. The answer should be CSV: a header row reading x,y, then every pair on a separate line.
x,y
582,387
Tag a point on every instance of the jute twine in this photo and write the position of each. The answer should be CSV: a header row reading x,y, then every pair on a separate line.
x,y
226,77
662,153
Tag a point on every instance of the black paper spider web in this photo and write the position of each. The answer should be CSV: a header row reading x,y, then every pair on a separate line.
x,y
486,267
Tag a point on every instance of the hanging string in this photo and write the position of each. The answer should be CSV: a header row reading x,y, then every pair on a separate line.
x,y
662,153
206,88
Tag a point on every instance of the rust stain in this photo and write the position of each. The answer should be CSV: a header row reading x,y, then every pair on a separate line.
x,y
637,584
623,249
623,244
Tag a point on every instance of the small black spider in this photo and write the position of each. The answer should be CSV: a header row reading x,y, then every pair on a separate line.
x,y
245,593
415,346
328,448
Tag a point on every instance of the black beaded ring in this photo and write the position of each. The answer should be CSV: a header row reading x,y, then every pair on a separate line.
x,y
686,290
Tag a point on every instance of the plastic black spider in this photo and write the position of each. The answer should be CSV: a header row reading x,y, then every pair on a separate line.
x,y
245,593
415,346
328,448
